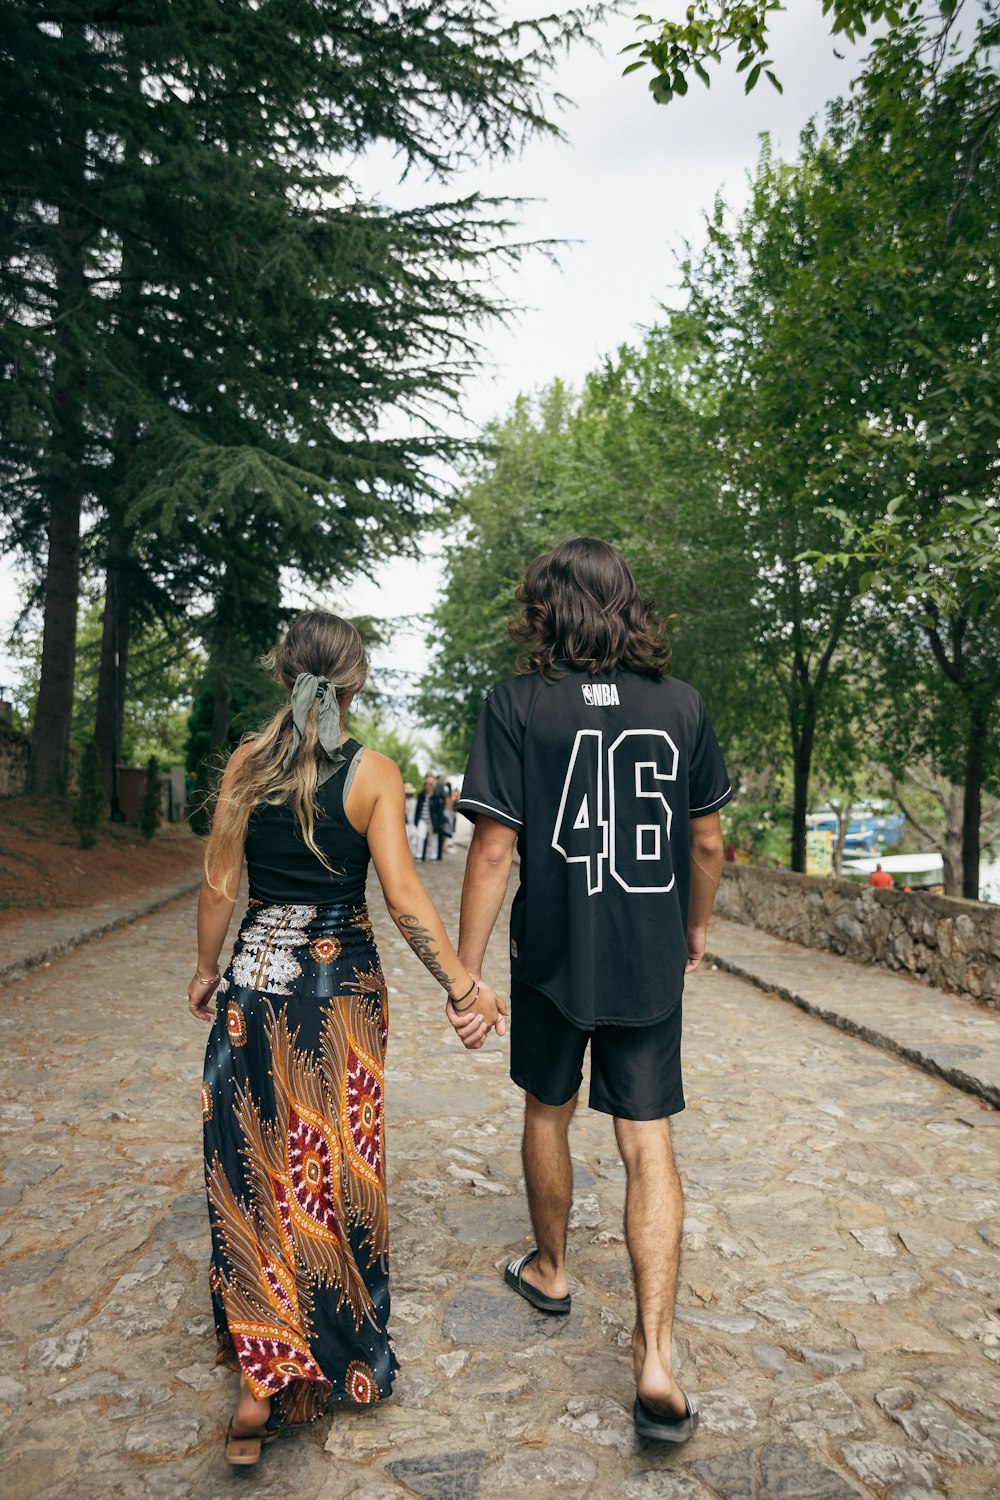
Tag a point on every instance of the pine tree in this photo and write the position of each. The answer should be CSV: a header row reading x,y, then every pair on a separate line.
x,y
149,812
206,322
90,805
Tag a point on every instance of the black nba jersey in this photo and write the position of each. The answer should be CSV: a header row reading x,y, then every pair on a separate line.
x,y
600,776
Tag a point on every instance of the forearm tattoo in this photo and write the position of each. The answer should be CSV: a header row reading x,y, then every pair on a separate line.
x,y
420,941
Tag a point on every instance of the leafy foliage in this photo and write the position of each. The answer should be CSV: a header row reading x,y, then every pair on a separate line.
x,y
372,730
163,670
835,354
207,325
711,28
631,459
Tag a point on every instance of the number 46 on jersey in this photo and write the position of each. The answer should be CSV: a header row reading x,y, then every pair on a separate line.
x,y
613,812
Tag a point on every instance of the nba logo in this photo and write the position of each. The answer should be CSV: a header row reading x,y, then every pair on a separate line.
x,y
600,695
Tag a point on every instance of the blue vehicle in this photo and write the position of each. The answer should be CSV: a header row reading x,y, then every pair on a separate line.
x,y
871,829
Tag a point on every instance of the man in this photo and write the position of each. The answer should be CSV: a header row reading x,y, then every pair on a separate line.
x,y
609,777
881,879
428,819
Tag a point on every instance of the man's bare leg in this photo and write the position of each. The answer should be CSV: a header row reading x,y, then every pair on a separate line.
x,y
548,1178
654,1210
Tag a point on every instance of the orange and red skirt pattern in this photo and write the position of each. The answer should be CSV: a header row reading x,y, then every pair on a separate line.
x,y
292,1104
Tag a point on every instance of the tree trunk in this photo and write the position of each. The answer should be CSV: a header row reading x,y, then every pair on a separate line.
x,y
114,656
221,715
948,843
972,812
802,752
951,843
113,676
843,824
220,666
49,762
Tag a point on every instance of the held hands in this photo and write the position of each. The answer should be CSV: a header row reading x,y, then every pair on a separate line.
x,y
473,1026
696,939
200,992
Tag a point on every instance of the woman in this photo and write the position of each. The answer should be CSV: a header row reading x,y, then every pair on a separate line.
x,y
428,812
292,1093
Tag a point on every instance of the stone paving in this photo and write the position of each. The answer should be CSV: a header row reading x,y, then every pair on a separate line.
x,y
37,939
948,1035
838,1315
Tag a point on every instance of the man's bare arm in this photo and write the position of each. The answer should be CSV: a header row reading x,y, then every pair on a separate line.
x,y
487,871
707,853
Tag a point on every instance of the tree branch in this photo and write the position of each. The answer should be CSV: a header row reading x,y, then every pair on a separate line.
x,y
937,646
932,838
928,787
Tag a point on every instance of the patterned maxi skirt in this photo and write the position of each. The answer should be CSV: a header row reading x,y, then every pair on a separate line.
x,y
294,1160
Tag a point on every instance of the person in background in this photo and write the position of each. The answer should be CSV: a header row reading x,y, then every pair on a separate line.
x,y
410,795
452,820
428,819
293,1081
881,879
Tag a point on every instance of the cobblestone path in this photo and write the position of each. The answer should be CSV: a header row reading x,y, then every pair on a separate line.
x,y
838,1300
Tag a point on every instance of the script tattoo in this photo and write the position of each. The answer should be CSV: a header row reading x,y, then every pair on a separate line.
x,y
419,940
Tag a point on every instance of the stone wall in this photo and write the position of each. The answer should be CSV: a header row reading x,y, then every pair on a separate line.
x,y
952,944
14,748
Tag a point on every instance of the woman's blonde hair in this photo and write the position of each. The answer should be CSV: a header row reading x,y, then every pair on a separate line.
x,y
326,646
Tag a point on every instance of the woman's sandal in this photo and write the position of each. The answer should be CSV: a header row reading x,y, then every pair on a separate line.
x,y
244,1451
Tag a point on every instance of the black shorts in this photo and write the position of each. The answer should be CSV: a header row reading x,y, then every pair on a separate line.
x,y
635,1071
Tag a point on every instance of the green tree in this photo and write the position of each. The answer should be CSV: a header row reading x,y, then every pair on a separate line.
x,y
164,669
914,291
646,470
847,309
634,459
373,731
90,804
920,728
712,28
761,291
206,322
513,508
933,808
149,812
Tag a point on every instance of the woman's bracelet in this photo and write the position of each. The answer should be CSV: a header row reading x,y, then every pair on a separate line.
x,y
202,979
471,1004
459,998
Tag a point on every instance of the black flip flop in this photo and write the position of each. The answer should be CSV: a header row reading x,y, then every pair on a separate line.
x,y
530,1293
662,1429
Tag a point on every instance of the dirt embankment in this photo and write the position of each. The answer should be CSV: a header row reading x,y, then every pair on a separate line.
x,y
43,868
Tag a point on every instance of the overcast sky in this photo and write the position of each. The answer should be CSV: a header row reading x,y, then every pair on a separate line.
x,y
627,187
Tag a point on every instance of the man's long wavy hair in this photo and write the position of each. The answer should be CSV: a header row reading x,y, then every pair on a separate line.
x,y
316,642
582,610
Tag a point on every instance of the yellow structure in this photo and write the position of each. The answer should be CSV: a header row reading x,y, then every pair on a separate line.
x,y
819,851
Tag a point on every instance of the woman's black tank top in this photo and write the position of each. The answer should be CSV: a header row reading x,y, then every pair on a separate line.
x,y
283,870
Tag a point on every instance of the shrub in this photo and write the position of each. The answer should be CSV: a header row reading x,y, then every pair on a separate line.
x,y
149,813
90,805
